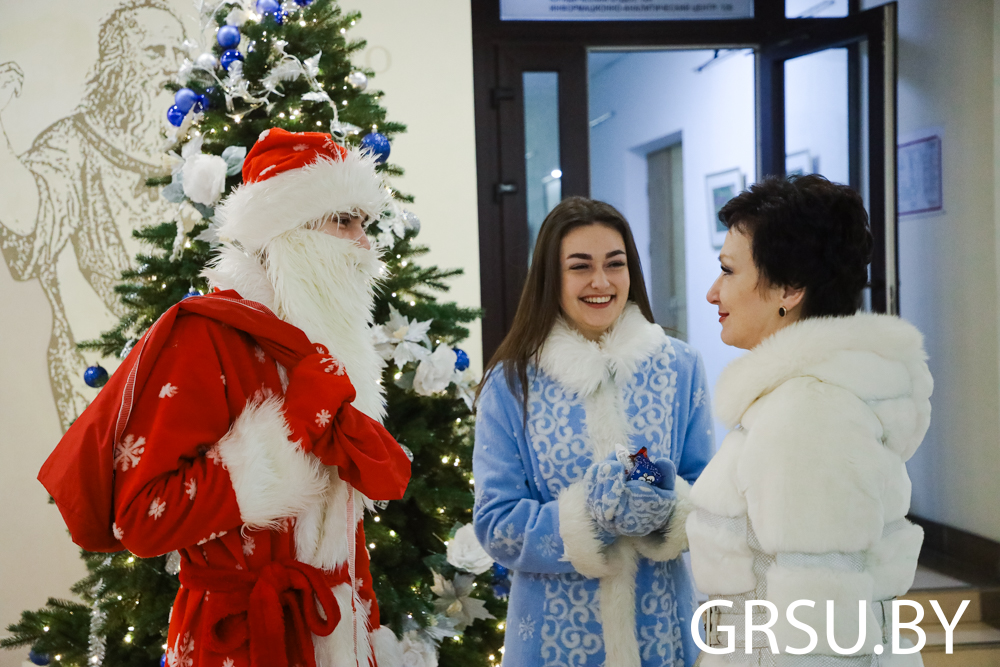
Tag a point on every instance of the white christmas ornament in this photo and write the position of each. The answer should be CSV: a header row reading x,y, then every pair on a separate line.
x,y
465,553
357,80
204,178
418,652
207,61
436,372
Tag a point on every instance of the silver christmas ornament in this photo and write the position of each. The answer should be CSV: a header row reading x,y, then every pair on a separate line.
x,y
358,80
207,61
411,221
173,564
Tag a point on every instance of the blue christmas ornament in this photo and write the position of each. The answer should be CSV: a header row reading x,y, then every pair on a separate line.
x,y
38,658
175,116
303,3
192,292
644,469
184,99
378,145
461,360
500,582
229,57
228,36
95,376
163,660
201,104
268,7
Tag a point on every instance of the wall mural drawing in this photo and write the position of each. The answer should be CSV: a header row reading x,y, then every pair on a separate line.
x,y
71,201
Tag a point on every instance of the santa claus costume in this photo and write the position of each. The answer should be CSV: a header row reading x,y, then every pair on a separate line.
x,y
243,429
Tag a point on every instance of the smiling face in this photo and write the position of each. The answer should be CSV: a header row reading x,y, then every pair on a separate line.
x,y
749,310
348,227
595,278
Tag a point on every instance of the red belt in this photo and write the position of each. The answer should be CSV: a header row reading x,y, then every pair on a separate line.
x,y
265,607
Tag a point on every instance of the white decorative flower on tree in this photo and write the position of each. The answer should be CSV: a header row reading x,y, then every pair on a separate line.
x,y
455,600
465,553
401,339
417,651
204,178
436,372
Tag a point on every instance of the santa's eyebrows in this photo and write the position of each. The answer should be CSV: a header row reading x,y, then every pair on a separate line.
x,y
583,255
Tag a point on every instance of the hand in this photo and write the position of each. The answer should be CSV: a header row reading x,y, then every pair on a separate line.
x,y
317,389
11,80
621,507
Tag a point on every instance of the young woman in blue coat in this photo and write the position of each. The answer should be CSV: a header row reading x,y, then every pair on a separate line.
x,y
595,557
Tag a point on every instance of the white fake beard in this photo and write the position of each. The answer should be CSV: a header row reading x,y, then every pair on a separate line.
x,y
325,286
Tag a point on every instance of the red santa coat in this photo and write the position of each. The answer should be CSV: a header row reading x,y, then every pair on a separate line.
x,y
221,455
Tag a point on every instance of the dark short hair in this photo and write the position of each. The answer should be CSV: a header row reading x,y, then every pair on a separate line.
x,y
806,232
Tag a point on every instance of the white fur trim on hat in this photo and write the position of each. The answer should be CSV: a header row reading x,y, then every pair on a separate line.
x,y
255,213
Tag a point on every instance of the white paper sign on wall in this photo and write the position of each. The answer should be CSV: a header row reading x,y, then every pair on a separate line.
x,y
920,186
623,10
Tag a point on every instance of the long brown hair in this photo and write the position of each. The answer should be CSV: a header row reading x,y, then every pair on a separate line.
x,y
542,294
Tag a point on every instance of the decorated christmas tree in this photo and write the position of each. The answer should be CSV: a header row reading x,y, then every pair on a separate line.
x,y
258,66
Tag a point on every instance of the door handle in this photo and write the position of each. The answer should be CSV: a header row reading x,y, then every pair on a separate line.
x,y
505,189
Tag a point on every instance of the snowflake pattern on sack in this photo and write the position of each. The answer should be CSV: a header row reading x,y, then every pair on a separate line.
x,y
323,418
168,391
181,653
129,451
248,546
156,508
332,366
259,353
557,435
215,457
117,532
228,662
191,488
571,629
507,539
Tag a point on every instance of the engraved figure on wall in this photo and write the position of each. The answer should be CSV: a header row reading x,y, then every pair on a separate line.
x,y
69,203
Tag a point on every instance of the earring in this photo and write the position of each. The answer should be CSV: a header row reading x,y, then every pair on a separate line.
x,y
782,312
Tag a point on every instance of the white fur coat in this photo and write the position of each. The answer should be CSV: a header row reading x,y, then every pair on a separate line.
x,y
806,497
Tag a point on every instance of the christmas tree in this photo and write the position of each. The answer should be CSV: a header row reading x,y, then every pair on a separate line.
x,y
288,65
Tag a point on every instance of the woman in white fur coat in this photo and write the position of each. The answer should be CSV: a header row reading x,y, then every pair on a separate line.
x,y
595,558
806,498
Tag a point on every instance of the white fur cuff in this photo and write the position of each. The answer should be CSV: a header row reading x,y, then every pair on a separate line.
x,y
584,549
272,477
672,541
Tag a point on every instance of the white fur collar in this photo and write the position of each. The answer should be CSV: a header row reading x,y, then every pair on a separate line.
x,y
875,356
582,365
233,269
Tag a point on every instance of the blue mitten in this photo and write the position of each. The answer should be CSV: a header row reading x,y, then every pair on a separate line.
x,y
644,508
605,484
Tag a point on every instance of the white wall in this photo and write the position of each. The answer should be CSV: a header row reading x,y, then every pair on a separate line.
x,y
427,79
428,86
948,267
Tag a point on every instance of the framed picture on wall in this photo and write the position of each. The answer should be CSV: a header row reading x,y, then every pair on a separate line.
x,y
720,188
801,163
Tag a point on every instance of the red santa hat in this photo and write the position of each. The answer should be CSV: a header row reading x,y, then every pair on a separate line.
x,y
291,179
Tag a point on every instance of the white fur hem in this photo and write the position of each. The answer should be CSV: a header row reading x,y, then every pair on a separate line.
x,y
617,601
672,541
583,548
337,648
272,477
388,651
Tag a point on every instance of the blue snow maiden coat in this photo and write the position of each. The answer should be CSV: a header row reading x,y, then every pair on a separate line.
x,y
575,601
